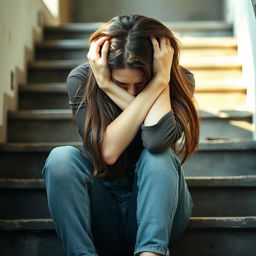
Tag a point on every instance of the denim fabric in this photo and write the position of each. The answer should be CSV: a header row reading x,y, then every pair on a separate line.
x,y
95,216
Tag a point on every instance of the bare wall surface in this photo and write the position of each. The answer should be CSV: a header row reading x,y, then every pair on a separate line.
x,y
19,30
164,10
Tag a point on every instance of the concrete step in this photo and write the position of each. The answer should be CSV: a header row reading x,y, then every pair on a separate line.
x,y
215,102
190,47
203,69
192,28
54,95
213,158
230,196
215,236
56,125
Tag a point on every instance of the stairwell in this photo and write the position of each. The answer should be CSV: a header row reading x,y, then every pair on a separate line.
x,y
220,176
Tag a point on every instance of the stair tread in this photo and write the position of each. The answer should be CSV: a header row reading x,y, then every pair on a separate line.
x,y
67,114
187,42
189,62
194,181
176,26
195,222
201,85
204,145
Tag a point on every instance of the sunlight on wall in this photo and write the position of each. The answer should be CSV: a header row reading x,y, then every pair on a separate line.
x,y
53,6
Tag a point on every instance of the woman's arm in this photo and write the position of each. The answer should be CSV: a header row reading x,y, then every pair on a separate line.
x,y
120,132
161,107
118,95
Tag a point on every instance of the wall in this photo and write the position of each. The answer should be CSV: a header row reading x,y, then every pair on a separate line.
x,y
244,29
165,10
19,29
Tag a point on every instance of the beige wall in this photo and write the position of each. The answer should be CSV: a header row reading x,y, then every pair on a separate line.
x,y
19,29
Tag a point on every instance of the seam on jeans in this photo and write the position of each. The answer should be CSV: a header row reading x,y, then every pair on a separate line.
x,y
175,199
137,201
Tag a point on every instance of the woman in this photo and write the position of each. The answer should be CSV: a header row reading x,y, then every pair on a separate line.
x,y
125,192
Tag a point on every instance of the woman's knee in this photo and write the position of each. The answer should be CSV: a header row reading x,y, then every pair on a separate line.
x,y
161,162
61,161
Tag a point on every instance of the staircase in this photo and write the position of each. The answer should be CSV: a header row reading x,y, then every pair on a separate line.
x,y
221,175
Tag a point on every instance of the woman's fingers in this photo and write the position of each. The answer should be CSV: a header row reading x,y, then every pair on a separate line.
x,y
104,51
155,45
95,46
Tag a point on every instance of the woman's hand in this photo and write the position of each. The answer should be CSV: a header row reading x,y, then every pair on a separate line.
x,y
162,59
98,61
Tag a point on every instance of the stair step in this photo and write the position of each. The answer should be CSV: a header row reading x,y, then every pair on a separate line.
x,y
228,85
192,181
54,95
230,196
67,114
83,30
187,42
227,62
216,158
203,68
218,236
47,125
190,47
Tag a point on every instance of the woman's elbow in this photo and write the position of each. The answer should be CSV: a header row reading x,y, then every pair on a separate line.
x,y
108,157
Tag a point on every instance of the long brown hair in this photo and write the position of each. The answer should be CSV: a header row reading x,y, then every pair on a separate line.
x,y
130,47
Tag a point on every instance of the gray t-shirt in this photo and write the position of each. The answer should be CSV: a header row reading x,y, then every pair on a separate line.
x,y
155,138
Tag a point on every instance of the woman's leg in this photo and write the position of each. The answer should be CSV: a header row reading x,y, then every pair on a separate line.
x,y
86,218
160,206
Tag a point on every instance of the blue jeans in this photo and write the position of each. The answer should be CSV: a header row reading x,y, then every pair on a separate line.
x,y
95,216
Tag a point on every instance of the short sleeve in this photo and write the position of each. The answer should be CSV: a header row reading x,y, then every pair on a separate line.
x,y
190,78
75,90
162,135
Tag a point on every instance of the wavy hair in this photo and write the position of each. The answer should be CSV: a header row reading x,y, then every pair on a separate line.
x,y
131,47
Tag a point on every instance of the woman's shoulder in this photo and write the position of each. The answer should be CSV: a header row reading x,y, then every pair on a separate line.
x,y
190,76
188,73
75,83
80,71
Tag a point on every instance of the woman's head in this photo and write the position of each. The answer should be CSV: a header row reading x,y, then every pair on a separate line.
x,y
130,45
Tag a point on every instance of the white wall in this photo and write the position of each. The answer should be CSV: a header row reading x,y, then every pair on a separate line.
x,y
244,30
19,29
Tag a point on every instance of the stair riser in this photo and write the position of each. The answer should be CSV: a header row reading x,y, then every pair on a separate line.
x,y
30,243
80,54
218,101
221,163
216,242
202,163
42,131
228,202
29,100
37,75
43,75
30,164
210,242
64,130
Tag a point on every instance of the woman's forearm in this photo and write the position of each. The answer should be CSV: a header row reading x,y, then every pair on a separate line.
x,y
160,107
118,95
121,131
